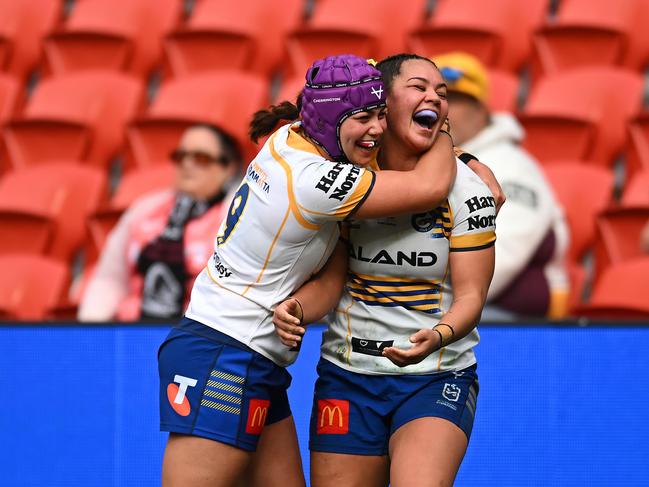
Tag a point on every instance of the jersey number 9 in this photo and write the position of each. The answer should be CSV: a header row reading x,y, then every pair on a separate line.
x,y
234,213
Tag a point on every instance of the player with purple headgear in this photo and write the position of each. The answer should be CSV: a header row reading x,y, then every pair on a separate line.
x,y
222,369
397,383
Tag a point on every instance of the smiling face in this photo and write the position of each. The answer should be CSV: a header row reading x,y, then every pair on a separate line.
x,y
417,105
360,135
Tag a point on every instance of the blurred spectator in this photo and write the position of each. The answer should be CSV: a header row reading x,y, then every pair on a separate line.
x,y
530,278
164,239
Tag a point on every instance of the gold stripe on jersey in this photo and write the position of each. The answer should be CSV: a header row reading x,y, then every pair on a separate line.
x,y
220,407
411,294
270,251
357,196
224,375
296,141
289,186
444,221
473,241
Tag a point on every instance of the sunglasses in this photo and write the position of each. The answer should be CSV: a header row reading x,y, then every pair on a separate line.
x,y
199,157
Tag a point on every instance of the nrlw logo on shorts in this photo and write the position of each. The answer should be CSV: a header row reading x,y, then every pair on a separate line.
x,y
333,417
257,414
451,392
176,393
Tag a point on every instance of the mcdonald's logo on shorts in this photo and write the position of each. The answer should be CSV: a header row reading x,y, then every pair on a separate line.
x,y
333,417
257,413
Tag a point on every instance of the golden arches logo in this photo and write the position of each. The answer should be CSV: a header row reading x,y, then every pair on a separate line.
x,y
257,414
332,412
259,417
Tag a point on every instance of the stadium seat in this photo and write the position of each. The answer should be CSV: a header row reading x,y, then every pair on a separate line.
x,y
577,276
79,116
374,30
621,292
637,153
618,236
497,32
31,285
227,99
123,35
134,184
290,89
247,35
581,114
10,97
503,91
636,192
23,26
593,32
43,208
583,191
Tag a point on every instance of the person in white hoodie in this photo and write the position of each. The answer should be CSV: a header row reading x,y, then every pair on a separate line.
x,y
530,277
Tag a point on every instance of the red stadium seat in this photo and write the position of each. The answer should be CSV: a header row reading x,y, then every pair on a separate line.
x,y
497,32
594,32
31,285
503,91
621,292
10,97
583,191
223,98
22,27
636,192
247,35
43,208
618,236
581,114
133,185
123,35
290,89
79,116
577,276
374,30
637,155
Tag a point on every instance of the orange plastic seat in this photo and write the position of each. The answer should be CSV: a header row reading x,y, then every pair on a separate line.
x,y
583,191
618,236
122,35
246,35
581,114
593,32
133,185
43,208
375,30
497,32
23,26
79,116
621,292
290,89
637,154
636,192
227,99
31,285
503,91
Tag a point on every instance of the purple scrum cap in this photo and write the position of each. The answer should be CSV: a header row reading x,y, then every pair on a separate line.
x,y
337,87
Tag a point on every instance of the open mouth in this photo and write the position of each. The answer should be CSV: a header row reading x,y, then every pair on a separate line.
x,y
425,118
367,144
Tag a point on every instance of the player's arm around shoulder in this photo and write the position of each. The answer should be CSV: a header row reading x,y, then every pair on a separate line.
x,y
313,300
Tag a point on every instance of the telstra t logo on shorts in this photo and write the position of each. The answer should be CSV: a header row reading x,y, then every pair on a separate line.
x,y
176,394
333,417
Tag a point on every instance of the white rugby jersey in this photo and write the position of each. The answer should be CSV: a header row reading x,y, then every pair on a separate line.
x,y
280,229
398,281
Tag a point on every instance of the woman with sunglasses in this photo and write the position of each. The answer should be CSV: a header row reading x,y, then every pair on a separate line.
x,y
222,369
162,241
397,384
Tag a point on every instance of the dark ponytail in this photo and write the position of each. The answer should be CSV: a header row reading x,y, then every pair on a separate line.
x,y
265,121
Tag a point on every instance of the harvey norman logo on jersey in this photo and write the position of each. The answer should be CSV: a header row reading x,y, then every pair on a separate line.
x,y
327,181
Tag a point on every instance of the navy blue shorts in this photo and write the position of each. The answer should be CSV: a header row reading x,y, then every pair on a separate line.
x,y
357,413
213,386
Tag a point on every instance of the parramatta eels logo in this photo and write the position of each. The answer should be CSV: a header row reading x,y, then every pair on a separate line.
x,y
424,222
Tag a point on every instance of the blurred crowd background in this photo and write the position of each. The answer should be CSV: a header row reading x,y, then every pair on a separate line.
x,y
106,102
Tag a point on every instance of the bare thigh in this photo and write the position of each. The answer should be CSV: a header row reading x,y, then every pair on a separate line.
x,y
277,462
342,470
199,462
426,452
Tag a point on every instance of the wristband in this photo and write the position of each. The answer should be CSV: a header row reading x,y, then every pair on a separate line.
x,y
441,338
466,157
447,334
